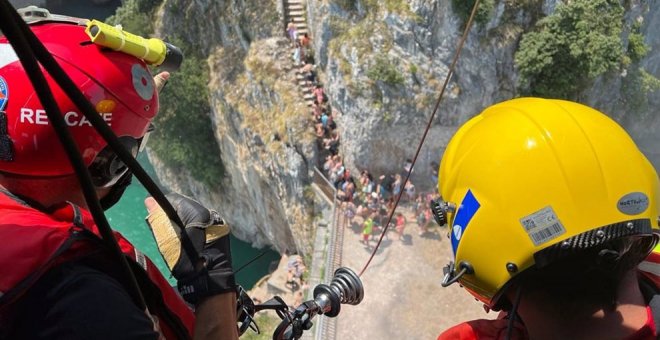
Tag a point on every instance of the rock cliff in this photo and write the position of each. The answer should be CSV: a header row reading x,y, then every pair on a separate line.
x,y
383,65
417,43
257,118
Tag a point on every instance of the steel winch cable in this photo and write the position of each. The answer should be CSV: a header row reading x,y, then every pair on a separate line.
x,y
31,52
450,73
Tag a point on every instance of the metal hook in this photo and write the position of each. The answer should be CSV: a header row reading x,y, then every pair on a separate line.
x,y
449,271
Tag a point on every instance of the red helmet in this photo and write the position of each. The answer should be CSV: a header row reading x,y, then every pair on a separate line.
x,y
119,86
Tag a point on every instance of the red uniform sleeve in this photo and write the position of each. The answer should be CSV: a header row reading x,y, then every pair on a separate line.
x,y
483,329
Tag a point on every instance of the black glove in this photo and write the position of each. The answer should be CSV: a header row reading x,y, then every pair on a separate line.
x,y
209,274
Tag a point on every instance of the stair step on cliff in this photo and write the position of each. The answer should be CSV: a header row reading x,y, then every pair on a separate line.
x,y
294,7
295,2
300,27
296,13
309,97
297,17
302,31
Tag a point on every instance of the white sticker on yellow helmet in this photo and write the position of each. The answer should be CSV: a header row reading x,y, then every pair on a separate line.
x,y
467,210
542,226
458,232
633,203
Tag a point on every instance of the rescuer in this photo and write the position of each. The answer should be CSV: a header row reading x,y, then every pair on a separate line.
x,y
553,215
57,279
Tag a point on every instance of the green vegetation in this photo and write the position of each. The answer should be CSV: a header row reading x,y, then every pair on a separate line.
x,y
183,137
352,35
136,16
635,88
412,68
637,83
395,6
637,49
463,8
578,42
308,193
384,70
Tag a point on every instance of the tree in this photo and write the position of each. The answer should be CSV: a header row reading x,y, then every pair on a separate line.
x,y
568,49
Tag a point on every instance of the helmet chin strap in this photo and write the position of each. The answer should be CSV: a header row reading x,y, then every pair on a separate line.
x,y
116,191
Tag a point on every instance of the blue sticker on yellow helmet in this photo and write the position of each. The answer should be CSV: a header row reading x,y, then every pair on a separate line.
x,y
4,93
466,211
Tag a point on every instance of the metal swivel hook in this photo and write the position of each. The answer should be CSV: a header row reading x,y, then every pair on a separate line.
x,y
451,276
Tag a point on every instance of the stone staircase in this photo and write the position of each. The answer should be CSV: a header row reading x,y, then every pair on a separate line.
x,y
324,328
296,10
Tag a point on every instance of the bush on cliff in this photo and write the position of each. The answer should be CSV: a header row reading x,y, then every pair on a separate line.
x,y
184,138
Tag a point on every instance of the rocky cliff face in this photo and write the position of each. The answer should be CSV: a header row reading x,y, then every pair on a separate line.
x,y
418,42
257,118
383,66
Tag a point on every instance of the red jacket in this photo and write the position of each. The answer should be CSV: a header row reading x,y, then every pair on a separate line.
x,y
34,242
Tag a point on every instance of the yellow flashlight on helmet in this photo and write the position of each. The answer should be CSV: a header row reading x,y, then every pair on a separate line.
x,y
153,51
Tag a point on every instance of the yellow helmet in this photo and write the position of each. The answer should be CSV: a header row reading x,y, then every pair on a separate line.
x,y
529,181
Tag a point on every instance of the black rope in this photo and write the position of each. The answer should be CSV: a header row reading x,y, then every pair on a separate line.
x,y
428,126
250,262
10,24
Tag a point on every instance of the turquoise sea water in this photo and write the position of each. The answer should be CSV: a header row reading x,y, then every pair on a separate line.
x,y
128,215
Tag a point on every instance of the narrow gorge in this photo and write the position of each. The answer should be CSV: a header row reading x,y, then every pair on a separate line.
x,y
382,64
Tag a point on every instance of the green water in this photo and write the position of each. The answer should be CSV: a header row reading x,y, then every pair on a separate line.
x,y
127,217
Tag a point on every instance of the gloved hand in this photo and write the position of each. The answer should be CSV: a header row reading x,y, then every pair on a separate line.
x,y
209,274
